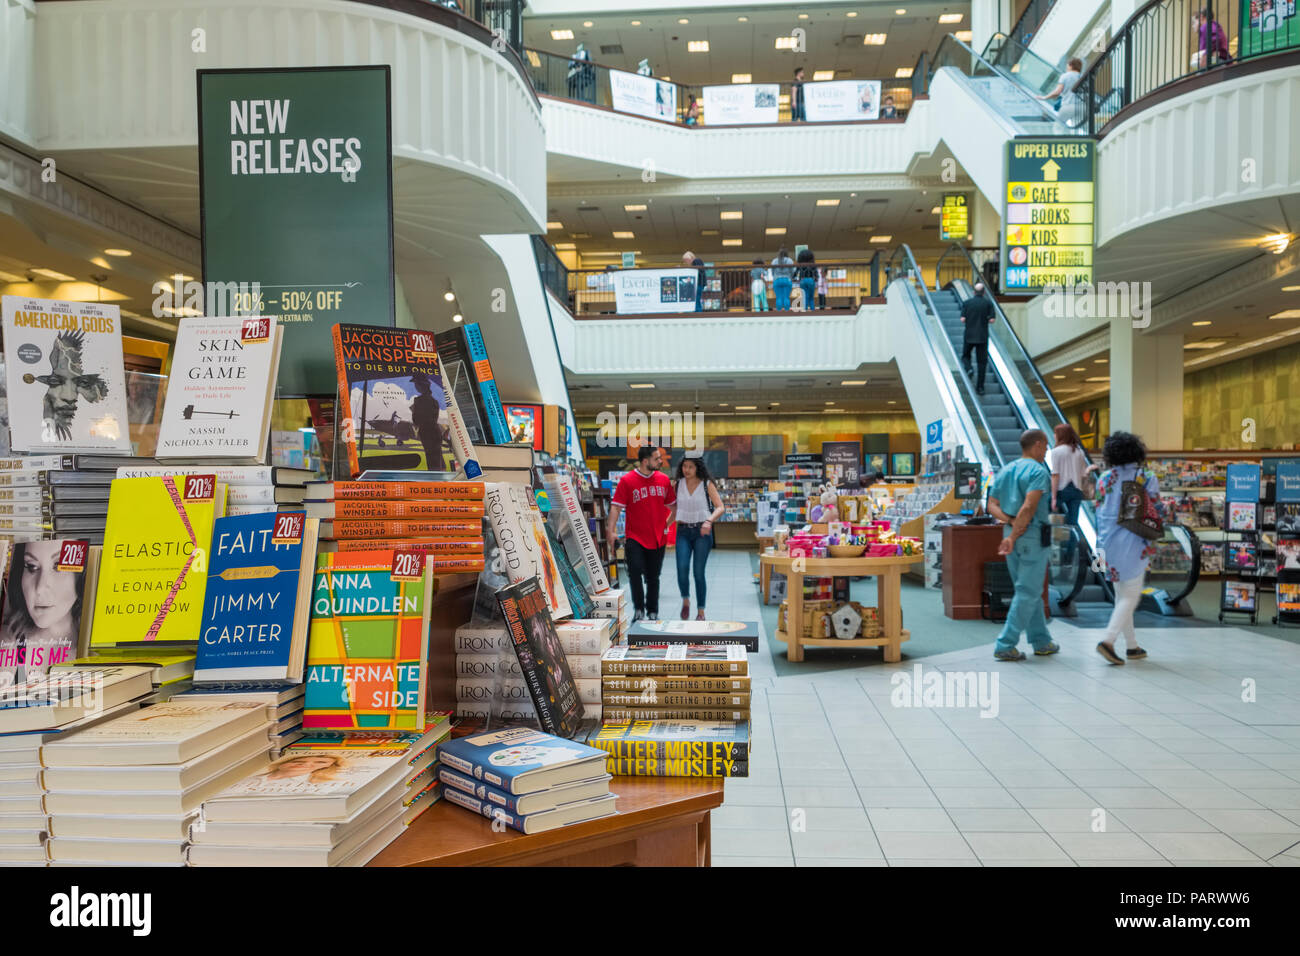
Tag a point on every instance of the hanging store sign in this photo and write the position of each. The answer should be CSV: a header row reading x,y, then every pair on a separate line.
x,y
1049,214
954,218
654,290
643,95
832,101
742,103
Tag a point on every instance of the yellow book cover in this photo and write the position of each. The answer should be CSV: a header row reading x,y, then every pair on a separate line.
x,y
153,570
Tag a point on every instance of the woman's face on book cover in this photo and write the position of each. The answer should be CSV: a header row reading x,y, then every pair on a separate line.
x,y
48,592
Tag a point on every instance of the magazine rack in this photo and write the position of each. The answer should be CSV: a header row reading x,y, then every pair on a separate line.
x,y
1288,580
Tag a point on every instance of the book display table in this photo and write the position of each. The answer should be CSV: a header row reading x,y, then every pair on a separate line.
x,y
887,571
661,821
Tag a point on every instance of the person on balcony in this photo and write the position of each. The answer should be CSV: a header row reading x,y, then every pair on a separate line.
x,y
796,98
887,108
758,286
581,76
807,275
693,112
822,288
691,261
977,315
1209,36
782,279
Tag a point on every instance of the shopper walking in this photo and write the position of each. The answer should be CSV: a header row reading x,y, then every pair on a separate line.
x,y
1070,470
1018,499
887,108
977,315
646,494
782,279
807,275
1124,554
1065,98
697,507
758,286
796,97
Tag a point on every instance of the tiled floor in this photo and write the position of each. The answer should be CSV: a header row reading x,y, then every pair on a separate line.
x,y
1191,757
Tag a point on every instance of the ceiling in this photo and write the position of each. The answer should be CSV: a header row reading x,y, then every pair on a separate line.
x,y
833,39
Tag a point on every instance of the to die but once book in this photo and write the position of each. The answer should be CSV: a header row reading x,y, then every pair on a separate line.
x,y
257,606
367,648
221,388
525,549
332,491
153,572
65,358
541,658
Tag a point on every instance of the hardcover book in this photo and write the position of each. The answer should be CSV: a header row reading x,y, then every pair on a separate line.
x,y
520,533
673,740
257,606
563,815
458,375
677,659
580,604
393,407
496,415
570,524
233,475
688,767
65,358
394,490
675,713
45,592
153,571
380,510
220,390
695,632
402,528
368,646
520,760
541,658
173,731
536,802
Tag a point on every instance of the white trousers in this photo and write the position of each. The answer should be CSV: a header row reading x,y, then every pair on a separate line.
x,y
1127,595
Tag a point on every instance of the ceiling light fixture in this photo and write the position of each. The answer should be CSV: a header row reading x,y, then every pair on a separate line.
x,y
683,20
731,214
53,274
641,385
742,19
787,43
554,225
697,46
828,202
623,234
855,381
774,231
881,240
965,36
635,207
565,246
709,232
903,72
1288,314
1205,344
874,39
1202,322
742,77
950,18
561,34
1277,243
746,408
458,317
635,23
820,75
117,252
733,242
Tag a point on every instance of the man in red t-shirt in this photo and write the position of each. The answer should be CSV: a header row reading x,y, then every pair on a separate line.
x,y
646,494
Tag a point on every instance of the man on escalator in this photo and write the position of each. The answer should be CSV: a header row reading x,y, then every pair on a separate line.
x,y
976,315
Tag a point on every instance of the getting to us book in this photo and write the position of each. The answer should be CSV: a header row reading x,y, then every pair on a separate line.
x,y
258,601
65,358
368,644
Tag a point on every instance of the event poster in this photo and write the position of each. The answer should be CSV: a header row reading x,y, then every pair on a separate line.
x,y
742,103
835,101
654,290
295,169
1268,26
643,95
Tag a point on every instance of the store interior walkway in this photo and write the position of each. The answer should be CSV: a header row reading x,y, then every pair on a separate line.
x,y
1191,757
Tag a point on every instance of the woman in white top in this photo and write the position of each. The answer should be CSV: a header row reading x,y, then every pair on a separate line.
x,y
698,506
1070,109
1070,469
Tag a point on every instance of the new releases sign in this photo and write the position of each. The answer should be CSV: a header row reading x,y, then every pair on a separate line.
x,y
295,170
654,290
1049,214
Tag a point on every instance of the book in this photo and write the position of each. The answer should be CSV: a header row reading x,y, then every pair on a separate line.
x,y
524,804
237,495
458,376
154,567
173,731
356,850
677,659
660,684
575,589
144,776
372,530
351,510
694,632
520,533
585,636
24,747
653,698
44,597
65,358
110,826
393,407
221,388
233,475
368,645
149,803
521,760
273,696
541,658
436,563
569,813
166,663
496,415
675,713
574,534
64,696
515,689
436,547
684,767
394,490
117,850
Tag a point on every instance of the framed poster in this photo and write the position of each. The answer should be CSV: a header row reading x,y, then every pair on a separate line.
x,y
643,95
742,103
841,460
903,463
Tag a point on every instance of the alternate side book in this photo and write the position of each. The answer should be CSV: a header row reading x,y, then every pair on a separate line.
x,y
367,649
64,358
541,658
220,390
153,571
258,602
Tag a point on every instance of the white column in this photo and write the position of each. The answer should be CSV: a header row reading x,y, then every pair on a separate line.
x,y
988,17
986,220
1146,385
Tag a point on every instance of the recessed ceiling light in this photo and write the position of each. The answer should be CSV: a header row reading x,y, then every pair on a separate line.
x,y
554,225
561,34
828,202
1101,361
52,274
742,77
900,12
1288,314
723,404
635,207
1078,368
565,246
636,23
1291,288
965,37
830,403
1277,243
1205,344
891,402
1058,376
588,23
851,13
683,20
950,18
742,19
935,211
774,231
697,46
609,406
903,72
731,214
623,234
803,16
641,385
874,39
880,240
832,411
1202,322
773,404
449,296
667,78
746,408
859,381
458,317
1098,378
733,242
117,252
819,75
709,232
787,43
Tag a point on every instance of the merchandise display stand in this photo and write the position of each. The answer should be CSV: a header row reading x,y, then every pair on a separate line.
x,y
887,571
1288,581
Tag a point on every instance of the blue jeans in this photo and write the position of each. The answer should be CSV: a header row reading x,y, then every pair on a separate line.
x,y
809,287
1027,563
781,286
692,548
1068,500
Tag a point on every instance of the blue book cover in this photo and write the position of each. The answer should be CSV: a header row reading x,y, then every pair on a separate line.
x,y
256,607
521,760
487,383
527,803
576,812
1243,482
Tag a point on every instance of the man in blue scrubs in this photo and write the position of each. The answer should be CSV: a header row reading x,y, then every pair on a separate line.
x,y
1019,499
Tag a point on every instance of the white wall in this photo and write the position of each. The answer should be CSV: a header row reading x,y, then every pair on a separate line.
x,y
1066,27
17,85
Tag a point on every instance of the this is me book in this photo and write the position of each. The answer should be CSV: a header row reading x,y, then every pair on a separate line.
x,y
44,607
541,658
65,358
220,390
257,606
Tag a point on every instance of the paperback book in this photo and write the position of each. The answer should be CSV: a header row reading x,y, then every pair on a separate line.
x,y
458,375
570,523
695,632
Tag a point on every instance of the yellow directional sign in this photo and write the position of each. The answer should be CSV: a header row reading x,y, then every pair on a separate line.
x,y
1049,214
954,218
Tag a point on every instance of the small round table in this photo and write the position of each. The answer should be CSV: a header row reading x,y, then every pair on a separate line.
x,y
887,571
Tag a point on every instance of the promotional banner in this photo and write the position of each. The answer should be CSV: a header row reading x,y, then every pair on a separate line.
x,y
834,101
643,95
934,437
842,460
654,290
1268,26
295,174
740,103
1243,483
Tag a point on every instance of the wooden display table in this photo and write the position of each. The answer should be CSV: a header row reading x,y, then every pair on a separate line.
x,y
661,821
889,573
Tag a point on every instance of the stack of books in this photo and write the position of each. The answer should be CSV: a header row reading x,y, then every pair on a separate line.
x,y
637,683
49,496
251,489
443,519
329,800
675,748
527,779
284,705
613,604
124,791
171,669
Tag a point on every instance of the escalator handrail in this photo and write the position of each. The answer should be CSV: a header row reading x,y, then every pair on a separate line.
x,y
1024,52
937,63
984,447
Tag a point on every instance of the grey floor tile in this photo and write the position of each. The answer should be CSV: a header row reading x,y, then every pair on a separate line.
x,y
1029,864
965,861
1014,846
754,797
1115,798
844,819
751,861
912,819
817,796
991,797
960,778
897,797
1266,846
1000,820
744,817
1161,821
1275,799
1042,798
921,845
872,777
858,844
1160,862
1106,846
1198,846
815,861
1076,820
1032,778
748,841
1249,821
1212,798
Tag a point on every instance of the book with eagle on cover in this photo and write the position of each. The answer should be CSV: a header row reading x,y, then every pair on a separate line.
x,y
65,358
